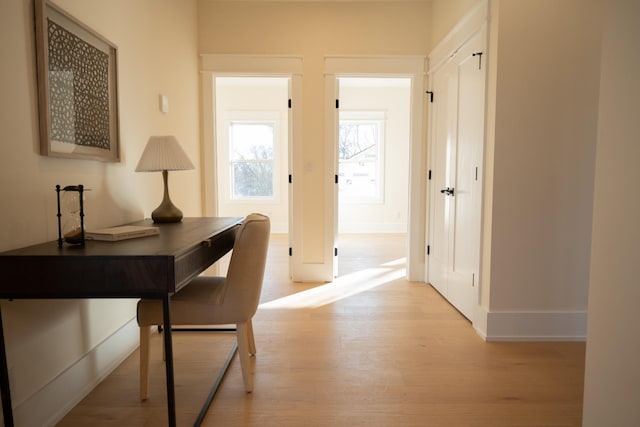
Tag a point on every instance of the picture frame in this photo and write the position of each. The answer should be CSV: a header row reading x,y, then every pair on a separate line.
x,y
77,88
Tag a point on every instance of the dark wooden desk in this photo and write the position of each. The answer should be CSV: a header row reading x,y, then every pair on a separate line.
x,y
151,267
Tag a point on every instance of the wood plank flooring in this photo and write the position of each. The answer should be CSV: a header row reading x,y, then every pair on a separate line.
x,y
370,349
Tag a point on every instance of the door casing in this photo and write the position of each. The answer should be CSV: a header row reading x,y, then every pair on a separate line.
x,y
384,66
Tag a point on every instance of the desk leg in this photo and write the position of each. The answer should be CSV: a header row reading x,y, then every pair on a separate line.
x,y
168,348
7,409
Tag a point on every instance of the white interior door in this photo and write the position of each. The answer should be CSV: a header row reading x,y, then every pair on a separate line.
x,y
457,141
442,129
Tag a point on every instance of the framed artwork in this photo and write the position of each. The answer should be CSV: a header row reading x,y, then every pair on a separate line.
x,y
77,88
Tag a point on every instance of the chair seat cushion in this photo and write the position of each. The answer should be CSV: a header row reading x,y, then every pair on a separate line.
x,y
195,304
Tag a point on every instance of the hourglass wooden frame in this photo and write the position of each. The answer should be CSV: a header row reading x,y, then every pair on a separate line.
x,y
80,190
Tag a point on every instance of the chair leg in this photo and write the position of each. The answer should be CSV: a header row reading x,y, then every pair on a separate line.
x,y
243,353
164,350
145,333
251,339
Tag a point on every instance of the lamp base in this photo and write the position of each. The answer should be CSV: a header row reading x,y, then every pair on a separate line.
x,y
167,211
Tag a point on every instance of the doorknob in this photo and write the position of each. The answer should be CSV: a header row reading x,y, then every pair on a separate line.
x,y
448,191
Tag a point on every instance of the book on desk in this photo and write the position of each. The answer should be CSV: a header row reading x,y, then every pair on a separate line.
x,y
122,232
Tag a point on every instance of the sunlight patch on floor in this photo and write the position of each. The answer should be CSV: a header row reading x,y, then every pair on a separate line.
x,y
342,287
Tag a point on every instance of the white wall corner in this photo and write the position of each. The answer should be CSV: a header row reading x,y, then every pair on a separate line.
x,y
531,325
52,402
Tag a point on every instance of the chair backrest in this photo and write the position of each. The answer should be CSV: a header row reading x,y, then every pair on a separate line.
x,y
247,265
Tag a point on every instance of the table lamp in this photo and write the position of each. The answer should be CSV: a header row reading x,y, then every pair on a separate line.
x,y
163,153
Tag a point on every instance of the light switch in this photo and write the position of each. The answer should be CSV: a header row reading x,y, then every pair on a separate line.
x,y
164,104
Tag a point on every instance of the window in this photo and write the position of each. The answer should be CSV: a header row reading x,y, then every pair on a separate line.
x,y
360,139
251,150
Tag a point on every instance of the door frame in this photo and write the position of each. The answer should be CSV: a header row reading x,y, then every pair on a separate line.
x,y
218,65
413,67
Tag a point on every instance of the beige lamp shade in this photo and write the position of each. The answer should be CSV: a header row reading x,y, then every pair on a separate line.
x,y
163,153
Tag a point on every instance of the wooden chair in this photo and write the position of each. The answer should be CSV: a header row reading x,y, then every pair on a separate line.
x,y
217,300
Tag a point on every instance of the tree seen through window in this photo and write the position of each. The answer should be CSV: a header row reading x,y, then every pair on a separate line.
x,y
251,155
359,149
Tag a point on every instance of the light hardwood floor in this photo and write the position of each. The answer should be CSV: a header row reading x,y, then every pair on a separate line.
x,y
370,349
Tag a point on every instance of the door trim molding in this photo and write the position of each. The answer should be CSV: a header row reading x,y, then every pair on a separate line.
x,y
251,64
216,65
412,66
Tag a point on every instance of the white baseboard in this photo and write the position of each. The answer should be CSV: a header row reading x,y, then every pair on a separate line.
x,y
52,402
372,227
312,273
531,325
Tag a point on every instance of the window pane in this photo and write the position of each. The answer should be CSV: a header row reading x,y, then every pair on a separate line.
x,y
252,179
359,159
251,141
357,138
251,154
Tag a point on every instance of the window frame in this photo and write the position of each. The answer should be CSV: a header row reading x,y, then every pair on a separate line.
x,y
272,118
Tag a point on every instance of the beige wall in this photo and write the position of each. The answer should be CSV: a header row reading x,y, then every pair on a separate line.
x,y
542,121
446,14
612,381
157,53
313,30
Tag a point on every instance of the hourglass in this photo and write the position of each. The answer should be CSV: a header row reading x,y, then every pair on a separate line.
x,y
70,214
